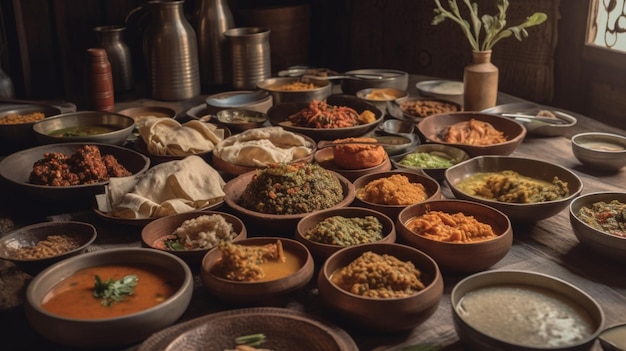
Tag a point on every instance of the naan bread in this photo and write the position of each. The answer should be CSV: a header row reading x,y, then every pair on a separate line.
x,y
167,188
166,136
260,146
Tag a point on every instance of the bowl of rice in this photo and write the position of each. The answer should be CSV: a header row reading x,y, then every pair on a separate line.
x,y
191,235
274,199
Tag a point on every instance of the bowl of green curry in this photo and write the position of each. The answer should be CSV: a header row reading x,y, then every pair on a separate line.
x,y
85,126
525,189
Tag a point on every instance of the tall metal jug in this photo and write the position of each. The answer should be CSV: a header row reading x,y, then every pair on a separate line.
x,y
171,53
212,20
111,39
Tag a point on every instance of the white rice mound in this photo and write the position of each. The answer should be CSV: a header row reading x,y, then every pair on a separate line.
x,y
205,232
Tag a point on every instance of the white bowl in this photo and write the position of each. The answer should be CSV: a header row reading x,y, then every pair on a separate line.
x,y
600,151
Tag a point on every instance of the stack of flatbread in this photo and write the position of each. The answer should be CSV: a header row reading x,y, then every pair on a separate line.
x,y
166,136
165,189
259,147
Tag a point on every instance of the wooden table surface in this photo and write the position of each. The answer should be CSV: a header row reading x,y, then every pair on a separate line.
x,y
548,246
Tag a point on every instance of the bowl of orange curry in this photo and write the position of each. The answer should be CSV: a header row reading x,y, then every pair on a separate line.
x,y
259,271
108,298
462,236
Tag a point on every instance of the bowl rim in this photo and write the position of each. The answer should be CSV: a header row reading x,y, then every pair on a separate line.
x,y
512,276
129,121
599,136
16,233
226,94
385,174
185,283
572,195
425,85
164,109
585,198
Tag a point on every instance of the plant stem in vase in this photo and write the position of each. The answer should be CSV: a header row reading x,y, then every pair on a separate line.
x,y
480,82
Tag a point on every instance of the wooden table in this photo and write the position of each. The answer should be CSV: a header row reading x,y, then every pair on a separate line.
x,y
548,246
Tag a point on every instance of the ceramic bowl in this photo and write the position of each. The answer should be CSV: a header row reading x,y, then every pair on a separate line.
x,y
258,293
121,127
16,169
322,89
599,241
82,234
540,285
432,128
238,120
325,158
262,104
148,111
442,89
200,112
535,127
600,151
321,251
14,137
613,338
380,96
279,113
459,257
114,332
454,154
432,187
416,108
382,314
389,78
153,233
517,212
272,224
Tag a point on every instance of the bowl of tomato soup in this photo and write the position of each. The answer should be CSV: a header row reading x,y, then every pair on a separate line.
x,y
257,271
108,298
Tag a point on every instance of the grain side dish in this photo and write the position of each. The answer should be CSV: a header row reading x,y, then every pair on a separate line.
x,y
450,227
22,118
392,190
609,217
425,108
52,245
202,232
292,189
379,276
346,231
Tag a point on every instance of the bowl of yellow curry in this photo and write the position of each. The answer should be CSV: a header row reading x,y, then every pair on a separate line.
x,y
525,189
462,236
108,298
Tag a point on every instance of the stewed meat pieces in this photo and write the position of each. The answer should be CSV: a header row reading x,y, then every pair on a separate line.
x,y
85,166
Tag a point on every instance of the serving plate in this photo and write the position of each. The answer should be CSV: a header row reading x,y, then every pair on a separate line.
x,y
284,329
533,126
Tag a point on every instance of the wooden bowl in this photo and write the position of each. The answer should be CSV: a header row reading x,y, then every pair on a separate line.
x,y
432,187
164,226
84,234
432,127
382,314
273,224
263,293
115,332
459,257
321,251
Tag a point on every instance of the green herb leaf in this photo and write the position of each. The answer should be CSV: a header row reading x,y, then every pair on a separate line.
x,y
111,291
251,340
174,244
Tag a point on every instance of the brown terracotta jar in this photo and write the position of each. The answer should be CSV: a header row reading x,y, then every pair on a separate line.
x,y
480,81
100,91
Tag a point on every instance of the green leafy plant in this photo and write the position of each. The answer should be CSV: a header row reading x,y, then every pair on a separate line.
x,y
111,291
494,25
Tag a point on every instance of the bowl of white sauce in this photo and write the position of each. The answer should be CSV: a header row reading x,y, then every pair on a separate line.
x,y
522,311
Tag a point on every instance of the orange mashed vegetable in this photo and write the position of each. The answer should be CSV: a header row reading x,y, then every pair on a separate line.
x,y
454,228
393,190
73,297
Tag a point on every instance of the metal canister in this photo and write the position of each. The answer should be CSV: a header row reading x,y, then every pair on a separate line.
x,y
111,39
250,55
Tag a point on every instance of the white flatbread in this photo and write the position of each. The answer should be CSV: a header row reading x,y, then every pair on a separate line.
x,y
166,136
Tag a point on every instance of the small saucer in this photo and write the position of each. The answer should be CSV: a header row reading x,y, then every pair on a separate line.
x,y
325,158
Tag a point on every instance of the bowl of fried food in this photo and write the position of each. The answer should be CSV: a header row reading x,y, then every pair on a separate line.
x,y
598,223
190,235
339,116
36,247
259,271
525,189
353,157
328,231
361,285
497,310
109,298
87,169
85,126
274,199
461,236
474,132
391,191
16,125
296,89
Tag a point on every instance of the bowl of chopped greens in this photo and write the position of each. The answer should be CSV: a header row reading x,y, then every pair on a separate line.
x,y
599,224
328,231
191,235
432,159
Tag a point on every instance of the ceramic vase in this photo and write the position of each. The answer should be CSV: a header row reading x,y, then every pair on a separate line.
x,y
480,82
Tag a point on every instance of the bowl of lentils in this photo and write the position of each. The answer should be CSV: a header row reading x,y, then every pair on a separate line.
x,y
272,200
328,231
